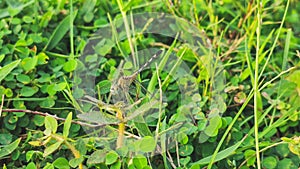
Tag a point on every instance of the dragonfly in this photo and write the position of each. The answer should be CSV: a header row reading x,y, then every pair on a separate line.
x,y
120,88
115,113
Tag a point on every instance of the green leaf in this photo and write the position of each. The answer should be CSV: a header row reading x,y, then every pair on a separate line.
x,y
46,17
37,38
21,43
42,58
87,6
294,77
104,86
282,150
25,79
49,166
221,155
182,138
47,103
19,104
91,58
10,126
7,149
50,125
269,162
104,47
18,8
8,92
29,155
250,157
70,65
147,144
2,56
140,161
39,120
28,91
2,90
52,148
51,89
195,166
185,161
31,165
214,124
88,17
186,150
111,157
59,32
44,78
60,86
5,138
76,161
116,165
5,70
67,125
97,157
286,163
29,63
27,19
294,148
100,22
61,163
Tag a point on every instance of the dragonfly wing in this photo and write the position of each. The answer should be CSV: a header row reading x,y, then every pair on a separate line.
x,y
141,110
146,92
92,99
98,118
114,87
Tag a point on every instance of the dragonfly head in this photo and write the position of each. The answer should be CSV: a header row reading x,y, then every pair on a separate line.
x,y
114,89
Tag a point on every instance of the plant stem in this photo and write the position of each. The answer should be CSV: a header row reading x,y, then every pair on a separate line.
x,y
255,86
120,138
74,151
71,29
123,12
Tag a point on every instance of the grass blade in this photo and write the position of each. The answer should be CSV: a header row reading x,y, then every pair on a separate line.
x,y
4,71
9,148
59,32
221,155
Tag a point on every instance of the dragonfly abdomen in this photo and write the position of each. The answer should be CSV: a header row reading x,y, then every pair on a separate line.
x,y
148,62
133,76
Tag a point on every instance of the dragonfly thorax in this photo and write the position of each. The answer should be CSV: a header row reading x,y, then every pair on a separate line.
x,y
124,82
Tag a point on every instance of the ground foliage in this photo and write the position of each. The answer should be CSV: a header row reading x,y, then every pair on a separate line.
x,y
40,54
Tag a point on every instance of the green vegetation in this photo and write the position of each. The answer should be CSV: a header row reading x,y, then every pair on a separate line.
x,y
223,92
